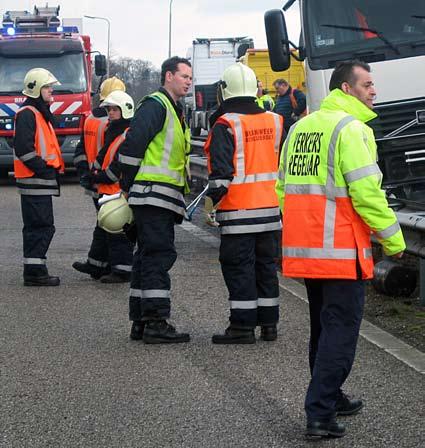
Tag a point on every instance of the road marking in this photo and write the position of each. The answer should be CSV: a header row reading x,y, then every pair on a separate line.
x,y
375,335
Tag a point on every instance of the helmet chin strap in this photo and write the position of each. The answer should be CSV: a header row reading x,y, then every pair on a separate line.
x,y
220,91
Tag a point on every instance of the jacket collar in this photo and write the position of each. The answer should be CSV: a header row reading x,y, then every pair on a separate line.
x,y
338,100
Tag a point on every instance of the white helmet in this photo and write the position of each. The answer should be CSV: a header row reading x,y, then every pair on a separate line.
x,y
238,80
114,214
37,78
122,100
109,85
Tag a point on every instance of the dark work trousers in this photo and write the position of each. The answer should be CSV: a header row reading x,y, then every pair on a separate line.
x,y
248,264
107,250
155,255
98,255
38,231
336,311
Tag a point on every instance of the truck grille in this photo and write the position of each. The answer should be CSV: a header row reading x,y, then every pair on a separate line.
x,y
397,165
403,171
391,116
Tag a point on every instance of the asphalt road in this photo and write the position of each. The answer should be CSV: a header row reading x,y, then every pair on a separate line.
x,y
70,377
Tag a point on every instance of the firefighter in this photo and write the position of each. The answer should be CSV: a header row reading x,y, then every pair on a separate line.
x,y
119,248
154,157
331,200
242,150
92,140
38,162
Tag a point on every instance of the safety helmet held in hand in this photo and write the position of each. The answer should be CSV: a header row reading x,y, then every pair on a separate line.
x,y
238,80
113,215
37,78
109,85
122,100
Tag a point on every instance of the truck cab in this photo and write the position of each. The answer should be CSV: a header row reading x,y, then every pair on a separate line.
x,y
390,36
209,58
38,40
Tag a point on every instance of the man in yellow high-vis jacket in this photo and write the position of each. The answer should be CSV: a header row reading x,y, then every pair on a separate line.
x,y
331,201
154,158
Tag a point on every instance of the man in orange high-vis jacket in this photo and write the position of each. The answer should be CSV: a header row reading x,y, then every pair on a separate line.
x,y
37,163
91,142
117,248
330,195
242,150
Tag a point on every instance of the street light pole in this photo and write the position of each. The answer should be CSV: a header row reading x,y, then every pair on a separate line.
x,y
169,31
109,39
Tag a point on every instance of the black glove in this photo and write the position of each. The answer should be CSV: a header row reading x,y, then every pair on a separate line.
x,y
130,231
87,180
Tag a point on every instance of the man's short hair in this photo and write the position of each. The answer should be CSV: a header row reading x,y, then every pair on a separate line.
x,y
280,82
171,65
344,72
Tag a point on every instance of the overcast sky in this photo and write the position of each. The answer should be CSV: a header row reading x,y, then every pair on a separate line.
x,y
139,28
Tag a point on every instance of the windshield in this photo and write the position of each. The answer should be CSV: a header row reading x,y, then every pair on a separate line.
x,y
67,68
373,30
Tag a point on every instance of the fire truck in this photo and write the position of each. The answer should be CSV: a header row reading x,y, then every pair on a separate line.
x,y
38,39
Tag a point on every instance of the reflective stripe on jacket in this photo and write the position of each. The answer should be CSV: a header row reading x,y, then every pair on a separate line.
x,y
109,157
250,204
47,147
329,189
165,162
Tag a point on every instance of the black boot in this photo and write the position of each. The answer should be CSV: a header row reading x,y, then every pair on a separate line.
x,y
318,429
114,277
161,332
235,336
268,332
47,280
346,406
137,329
88,268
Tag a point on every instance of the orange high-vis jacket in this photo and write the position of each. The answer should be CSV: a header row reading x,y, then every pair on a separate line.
x,y
46,146
109,157
94,135
256,159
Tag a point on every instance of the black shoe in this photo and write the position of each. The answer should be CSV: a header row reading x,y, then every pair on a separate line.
x,y
317,429
345,406
161,332
137,329
47,280
113,277
88,268
235,336
268,333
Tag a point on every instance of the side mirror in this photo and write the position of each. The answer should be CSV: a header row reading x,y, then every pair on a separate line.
x,y
100,65
277,40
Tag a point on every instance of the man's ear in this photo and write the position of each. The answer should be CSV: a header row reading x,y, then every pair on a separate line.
x,y
345,87
168,76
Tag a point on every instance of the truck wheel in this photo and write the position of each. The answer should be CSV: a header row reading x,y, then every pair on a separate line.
x,y
196,132
4,173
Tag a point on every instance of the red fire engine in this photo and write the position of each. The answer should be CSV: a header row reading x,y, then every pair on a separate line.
x,y
29,40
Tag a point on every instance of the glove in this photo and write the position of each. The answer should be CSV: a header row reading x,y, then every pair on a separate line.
x,y
87,180
209,211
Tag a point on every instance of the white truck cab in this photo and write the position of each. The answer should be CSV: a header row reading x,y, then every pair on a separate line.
x,y
390,36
